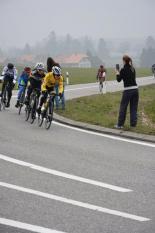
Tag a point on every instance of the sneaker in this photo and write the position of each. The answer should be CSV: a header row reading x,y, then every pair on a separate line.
x,y
17,104
118,127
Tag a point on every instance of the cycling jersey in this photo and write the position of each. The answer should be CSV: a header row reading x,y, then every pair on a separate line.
x,y
23,79
10,73
50,82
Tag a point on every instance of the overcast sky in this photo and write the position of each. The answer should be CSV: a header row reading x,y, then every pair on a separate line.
x,y
30,21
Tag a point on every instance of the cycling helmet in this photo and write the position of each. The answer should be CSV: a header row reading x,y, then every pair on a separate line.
x,y
56,70
39,66
27,69
10,66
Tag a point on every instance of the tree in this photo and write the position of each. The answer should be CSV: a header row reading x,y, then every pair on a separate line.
x,y
150,42
27,49
102,50
124,47
147,58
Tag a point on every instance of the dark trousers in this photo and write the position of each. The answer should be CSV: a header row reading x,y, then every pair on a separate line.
x,y
9,82
132,97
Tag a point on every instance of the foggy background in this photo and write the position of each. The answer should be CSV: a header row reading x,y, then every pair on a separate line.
x,y
105,29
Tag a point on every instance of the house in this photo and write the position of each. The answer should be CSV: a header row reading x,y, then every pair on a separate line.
x,y
74,60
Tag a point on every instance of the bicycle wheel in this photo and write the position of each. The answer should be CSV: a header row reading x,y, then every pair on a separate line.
x,y
2,103
34,109
101,87
20,108
49,115
40,120
32,115
27,112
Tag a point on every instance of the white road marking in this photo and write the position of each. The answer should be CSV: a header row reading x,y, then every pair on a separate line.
x,y
26,226
80,88
62,174
106,135
75,203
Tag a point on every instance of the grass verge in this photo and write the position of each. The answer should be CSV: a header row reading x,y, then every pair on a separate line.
x,y
103,110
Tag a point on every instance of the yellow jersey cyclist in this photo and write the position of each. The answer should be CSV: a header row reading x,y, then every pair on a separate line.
x,y
50,81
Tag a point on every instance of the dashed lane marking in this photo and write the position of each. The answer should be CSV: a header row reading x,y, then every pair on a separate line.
x,y
62,174
26,226
74,202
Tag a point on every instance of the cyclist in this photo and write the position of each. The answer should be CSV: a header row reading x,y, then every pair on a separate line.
x,y
153,70
101,74
22,83
10,75
50,81
35,81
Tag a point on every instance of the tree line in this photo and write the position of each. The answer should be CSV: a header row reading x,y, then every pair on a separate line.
x,y
98,51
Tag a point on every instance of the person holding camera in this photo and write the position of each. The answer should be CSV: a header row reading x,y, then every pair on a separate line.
x,y
130,93
153,70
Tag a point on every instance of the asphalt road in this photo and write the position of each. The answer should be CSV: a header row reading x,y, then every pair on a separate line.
x,y
64,180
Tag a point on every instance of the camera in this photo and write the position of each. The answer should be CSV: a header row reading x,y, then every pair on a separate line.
x,y
117,67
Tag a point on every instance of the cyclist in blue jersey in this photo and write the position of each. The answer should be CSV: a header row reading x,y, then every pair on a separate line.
x,y
22,83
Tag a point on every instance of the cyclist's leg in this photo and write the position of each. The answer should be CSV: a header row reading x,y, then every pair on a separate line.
x,y
42,101
29,91
100,85
9,92
20,91
56,97
63,100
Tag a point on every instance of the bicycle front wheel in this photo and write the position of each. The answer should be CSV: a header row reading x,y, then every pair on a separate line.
x,y
49,115
27,112
20,108
40,120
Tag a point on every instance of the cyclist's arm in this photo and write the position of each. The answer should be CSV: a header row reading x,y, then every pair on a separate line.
x,y
4,70
15,74
45,82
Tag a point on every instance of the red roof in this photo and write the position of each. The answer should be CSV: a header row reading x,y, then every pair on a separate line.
x,y
74,58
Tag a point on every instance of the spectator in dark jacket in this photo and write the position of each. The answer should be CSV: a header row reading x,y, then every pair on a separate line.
x,y
50,64
130,93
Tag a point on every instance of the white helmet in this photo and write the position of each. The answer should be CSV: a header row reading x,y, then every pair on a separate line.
x,y
56,70
39,66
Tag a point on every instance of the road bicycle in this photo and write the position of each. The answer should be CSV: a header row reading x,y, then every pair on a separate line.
x,y
102,83
21,101
47,112
4,97
31,108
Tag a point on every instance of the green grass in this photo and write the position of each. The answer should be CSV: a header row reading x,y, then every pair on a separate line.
x,y
103,110
88,75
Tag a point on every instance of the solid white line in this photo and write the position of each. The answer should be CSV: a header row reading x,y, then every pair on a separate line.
x,y
26,226
80,88
106,135
62,174
75,203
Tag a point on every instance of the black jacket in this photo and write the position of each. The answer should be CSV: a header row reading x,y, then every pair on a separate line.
x,y
128,75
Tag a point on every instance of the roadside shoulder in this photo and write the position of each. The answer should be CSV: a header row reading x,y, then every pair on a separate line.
x,y
109,131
